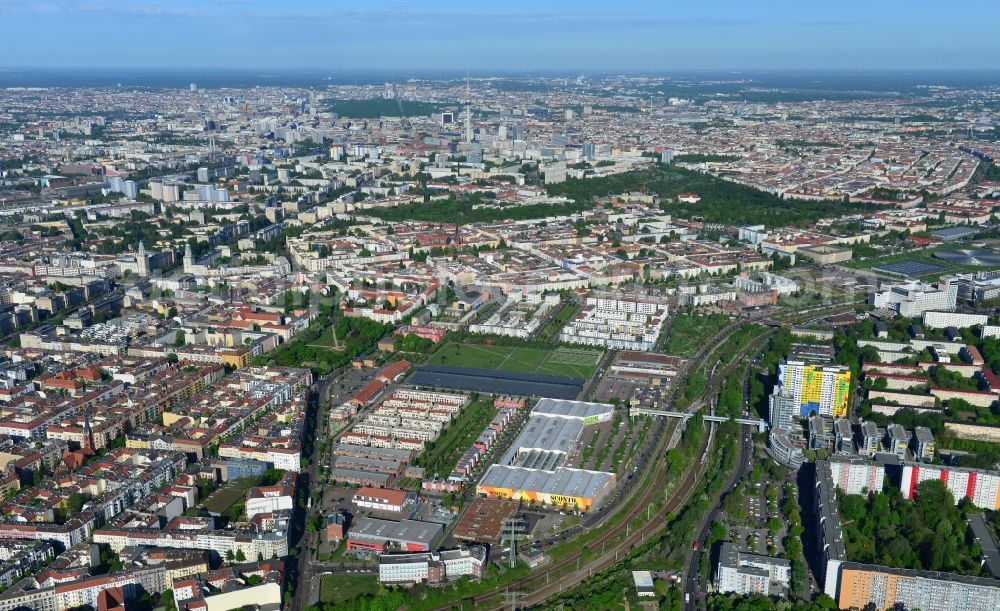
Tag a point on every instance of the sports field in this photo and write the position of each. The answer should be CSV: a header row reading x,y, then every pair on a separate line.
x,y
573,362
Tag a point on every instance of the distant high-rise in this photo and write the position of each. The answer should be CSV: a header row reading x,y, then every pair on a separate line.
x,y
468,112
128,187
518,131
142,261
194,87
188,258
171,192
156,189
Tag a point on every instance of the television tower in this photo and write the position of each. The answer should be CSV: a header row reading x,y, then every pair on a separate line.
x,y
468,110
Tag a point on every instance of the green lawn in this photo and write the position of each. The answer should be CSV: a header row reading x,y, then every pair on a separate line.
x,y
689,332
335,589
325,340
573,362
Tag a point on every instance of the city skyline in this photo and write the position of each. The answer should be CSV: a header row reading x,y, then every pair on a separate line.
x,y
449,35
392,306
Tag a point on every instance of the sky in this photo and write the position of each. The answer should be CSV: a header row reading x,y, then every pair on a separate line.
x,y
513,35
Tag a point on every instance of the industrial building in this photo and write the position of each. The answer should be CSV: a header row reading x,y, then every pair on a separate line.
x,y
562,487
382,499
534,468
385,535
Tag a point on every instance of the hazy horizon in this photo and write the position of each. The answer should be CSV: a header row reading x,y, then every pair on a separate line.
x,y
449,35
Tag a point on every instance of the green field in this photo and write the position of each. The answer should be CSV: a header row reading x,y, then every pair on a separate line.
x,y
325,340
336,589
573,362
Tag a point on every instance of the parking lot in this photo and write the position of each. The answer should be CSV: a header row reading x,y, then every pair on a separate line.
x,y
759,526
351,382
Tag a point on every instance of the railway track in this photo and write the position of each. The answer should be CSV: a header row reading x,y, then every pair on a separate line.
x,y
679,499
622,538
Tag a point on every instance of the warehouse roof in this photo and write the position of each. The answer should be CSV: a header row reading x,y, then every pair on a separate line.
x,y
562,481
355,475
547,434
347,449
403,531
571,409
368,464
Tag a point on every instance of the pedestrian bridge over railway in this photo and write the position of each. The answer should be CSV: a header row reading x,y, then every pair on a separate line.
x,y
646,411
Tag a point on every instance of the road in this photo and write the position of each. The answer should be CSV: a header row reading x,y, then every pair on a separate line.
x,y
680,498
617,540
304,565
691,577
602,366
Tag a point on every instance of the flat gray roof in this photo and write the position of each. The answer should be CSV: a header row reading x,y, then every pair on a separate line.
x,y
991,555
953,233
365,464
571,409
347,449
358,475
400,532
545,433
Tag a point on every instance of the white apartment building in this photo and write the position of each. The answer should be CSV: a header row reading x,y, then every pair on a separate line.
x,y
855,476
617,323
750,573
941,320
911,299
